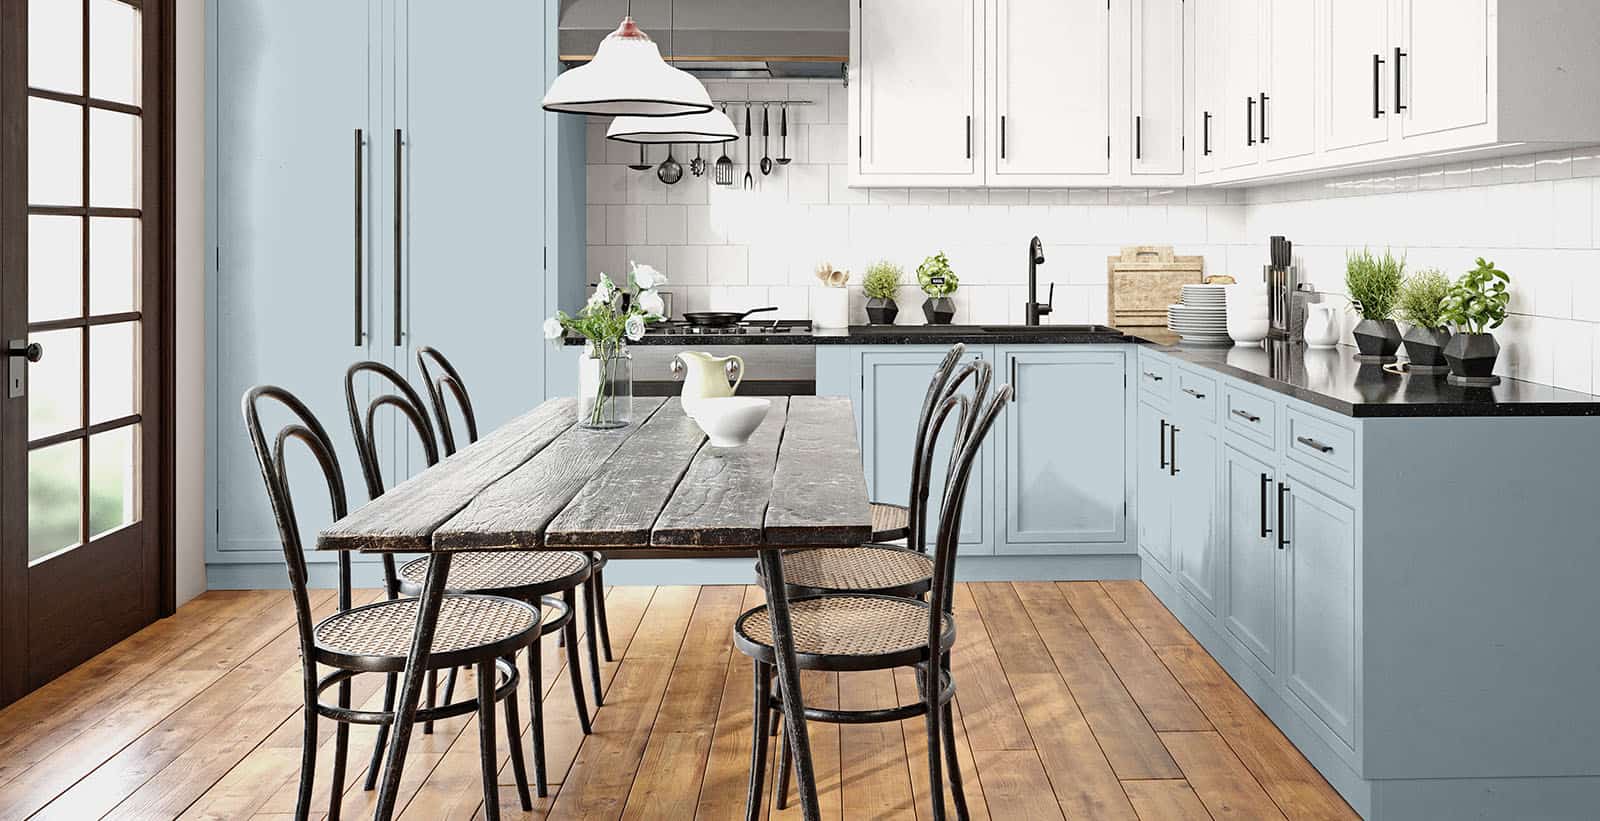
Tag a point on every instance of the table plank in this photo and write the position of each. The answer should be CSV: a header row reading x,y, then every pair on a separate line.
x,y
620,504
819,491
404,518
512,513
723,498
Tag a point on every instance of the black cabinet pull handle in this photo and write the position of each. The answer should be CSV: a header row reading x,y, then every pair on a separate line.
x,y
1153,376
1283,530
1377,86
1138,137
1162,439
1249,121
1013,379
1246,415
1266,482
1205,134
1174,430
399,240
1002,136
1192,392
1314,444
360,221
969,136
1264,99
1397,55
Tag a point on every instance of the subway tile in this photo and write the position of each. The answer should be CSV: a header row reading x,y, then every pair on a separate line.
x,y
839,190
686,264
838,104
1008,196
1586,161
969,196
1517,169
827,144
928,196
1088,196
727,264
690,190
625,224
594,218
652,255
1049,196
606,184
1572,356
888,196
700,227
664,225
1572,214
644,188
608,259
1128,196
1552,165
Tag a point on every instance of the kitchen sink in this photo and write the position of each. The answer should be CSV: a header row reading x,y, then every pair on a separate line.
x,y
1050,329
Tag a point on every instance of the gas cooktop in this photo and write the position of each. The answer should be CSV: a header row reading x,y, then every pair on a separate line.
x,y
678,327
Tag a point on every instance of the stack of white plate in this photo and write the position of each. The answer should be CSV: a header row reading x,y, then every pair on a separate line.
x,y
1202,317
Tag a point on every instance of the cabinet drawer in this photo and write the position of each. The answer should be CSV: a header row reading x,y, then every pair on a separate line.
x,y
1318,443
1196,396
1155,376
1251,416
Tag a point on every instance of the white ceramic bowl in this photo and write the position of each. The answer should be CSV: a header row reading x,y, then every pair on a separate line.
x,y
729,420
1247,331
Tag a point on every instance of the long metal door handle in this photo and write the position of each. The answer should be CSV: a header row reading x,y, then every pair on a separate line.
x,y
360,249
1152,376
399,239
1398,54
1246,415
1205,134
1138,137
1174,433
1249,121
1377,86
1283,530
1013,379
1266,482
1314,444
1264,99
969,136
1192,392
1002,136
1162,439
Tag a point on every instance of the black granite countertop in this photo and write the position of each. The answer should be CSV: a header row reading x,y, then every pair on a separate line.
x,y
900,335
1334,380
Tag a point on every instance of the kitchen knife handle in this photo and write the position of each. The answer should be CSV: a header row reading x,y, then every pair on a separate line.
x,y
360,332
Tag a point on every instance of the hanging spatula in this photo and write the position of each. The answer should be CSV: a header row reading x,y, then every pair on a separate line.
x,y
724,162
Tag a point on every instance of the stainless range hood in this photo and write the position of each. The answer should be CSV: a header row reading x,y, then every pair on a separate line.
x,y
722,39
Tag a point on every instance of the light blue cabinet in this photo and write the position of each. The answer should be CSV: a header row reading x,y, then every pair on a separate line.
x,y
1194,491
1250,555
1155,484
1320,617
894,384
1063,464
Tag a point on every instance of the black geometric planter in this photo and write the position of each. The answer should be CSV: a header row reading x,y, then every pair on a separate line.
x,y
939,310
1425,348
1377,339
881,311
1472,358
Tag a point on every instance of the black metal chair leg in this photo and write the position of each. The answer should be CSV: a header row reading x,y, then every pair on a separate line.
x,y
519,767
383,735
935,776
571,632
450,685
308,757
341,752
952,763
433,693
536,719
600,611
758,742
594,654
486,750
785,764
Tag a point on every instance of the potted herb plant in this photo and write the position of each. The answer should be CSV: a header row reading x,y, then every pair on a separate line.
x,y
611,318
1475,305
881,284
1421,305
938,281
1374,286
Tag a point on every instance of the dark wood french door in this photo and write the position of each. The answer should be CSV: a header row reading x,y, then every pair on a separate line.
x,y
85,285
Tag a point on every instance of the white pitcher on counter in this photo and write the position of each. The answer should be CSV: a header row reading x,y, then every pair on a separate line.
x,y
1322,325
706,376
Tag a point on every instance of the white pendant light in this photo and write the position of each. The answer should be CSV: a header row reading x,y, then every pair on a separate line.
x,y
709,127
627,77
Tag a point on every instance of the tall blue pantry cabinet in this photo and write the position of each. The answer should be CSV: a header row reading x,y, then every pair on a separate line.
x,y
380,176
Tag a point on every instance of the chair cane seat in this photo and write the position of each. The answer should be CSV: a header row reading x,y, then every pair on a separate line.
x,y
847,631
890,522
493,571
469,626
868,568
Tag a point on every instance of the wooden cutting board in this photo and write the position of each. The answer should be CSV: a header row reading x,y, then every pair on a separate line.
x,y
1144,280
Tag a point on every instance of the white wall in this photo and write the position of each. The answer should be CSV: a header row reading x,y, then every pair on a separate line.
x,y
189,117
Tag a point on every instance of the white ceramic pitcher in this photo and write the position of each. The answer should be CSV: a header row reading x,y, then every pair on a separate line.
x,y
706,376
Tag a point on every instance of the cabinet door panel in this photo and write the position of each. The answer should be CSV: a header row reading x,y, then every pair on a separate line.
x,y
918,69
1064,457
894,385
1241,84
1290,129
1194,538
1210,56
475,201
1445,68
1356,89
1321,609
293,86
1051,83
1155,486
1250,560
1158,79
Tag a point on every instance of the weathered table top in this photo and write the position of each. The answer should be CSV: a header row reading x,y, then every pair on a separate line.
x,y
654,487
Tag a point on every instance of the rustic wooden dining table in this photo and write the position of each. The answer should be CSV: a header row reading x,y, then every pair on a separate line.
x,y
655,488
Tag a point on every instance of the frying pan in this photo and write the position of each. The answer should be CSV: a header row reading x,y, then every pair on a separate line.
x,y
721,319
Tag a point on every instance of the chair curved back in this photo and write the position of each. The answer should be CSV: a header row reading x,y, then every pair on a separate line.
x,y
918,494
448,379
403,398
270,454
981,373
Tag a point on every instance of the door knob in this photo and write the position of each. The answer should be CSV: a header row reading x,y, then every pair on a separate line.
x,y
31,351
19,353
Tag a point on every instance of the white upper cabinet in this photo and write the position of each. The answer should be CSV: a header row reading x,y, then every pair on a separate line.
x,y
1210,17
1288,119
1441,66
1241,84
916,93
1160,72
1355,51
1049,116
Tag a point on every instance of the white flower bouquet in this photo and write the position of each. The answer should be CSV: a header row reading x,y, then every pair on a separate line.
x,y
611,316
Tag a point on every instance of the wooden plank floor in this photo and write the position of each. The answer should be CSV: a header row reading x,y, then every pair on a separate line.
x,y
1076,700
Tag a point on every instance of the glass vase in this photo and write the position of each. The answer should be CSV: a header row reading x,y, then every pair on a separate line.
x,y
605,386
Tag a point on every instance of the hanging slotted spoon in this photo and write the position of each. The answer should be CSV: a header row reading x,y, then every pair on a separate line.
x,y
724,162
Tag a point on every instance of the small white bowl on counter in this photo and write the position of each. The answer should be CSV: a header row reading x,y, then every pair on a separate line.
x,y
729,421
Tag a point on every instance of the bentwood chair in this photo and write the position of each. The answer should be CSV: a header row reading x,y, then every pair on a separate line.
x,y
482,631
870,631
525,576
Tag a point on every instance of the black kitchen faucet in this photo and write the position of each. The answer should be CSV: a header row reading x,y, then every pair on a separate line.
x,y
1035,309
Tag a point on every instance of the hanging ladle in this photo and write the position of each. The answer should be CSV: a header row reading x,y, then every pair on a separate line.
x,y
783,134
642,164
670,171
